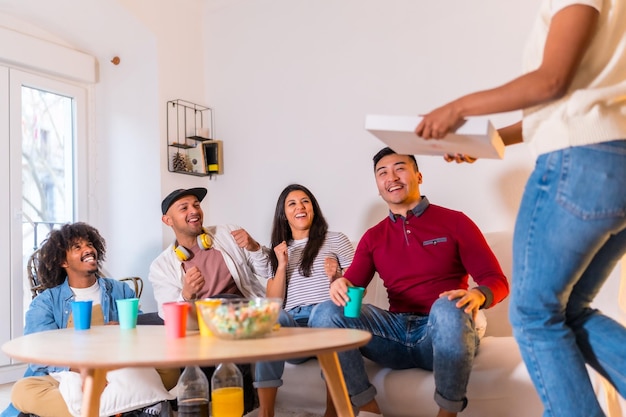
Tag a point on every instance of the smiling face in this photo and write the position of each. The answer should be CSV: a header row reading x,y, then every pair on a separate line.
x,y
299,212
81,263
398,182
185,216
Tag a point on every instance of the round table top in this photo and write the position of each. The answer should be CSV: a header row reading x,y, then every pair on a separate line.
x,y
110,347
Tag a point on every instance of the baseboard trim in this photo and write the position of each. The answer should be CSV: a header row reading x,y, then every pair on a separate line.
x,y
11,373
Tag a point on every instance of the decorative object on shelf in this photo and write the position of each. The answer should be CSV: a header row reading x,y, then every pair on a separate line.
x,y
181,162
191,146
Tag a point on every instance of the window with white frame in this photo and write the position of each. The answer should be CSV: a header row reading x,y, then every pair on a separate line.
x,y
43,176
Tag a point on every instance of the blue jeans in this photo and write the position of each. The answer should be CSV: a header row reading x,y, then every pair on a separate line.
x,y
569,235
445,342
269,374
10,411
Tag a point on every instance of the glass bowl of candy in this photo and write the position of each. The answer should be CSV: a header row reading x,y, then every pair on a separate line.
x,y
241,318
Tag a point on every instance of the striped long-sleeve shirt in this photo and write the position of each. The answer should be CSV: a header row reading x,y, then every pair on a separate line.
x,y
303,290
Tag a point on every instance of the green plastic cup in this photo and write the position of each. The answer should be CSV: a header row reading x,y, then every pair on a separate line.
x,y
127,310
353,306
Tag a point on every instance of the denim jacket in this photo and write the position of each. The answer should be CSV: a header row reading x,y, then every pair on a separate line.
x,y
51,310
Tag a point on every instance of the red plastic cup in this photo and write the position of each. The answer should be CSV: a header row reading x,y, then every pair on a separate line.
x,y
175,319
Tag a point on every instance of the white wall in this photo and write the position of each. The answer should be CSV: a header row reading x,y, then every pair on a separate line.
x,y
292,81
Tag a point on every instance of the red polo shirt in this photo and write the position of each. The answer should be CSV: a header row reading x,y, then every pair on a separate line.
x,y
433,249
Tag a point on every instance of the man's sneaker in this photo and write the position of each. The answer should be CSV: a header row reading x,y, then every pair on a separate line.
x,y
161,409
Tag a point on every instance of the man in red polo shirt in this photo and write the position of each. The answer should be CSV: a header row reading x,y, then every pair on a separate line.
x,y
424,254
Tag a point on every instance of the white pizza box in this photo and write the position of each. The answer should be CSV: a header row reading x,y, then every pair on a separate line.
x,y
475,137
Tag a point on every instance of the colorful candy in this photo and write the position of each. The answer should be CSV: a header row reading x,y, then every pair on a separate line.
x,y
243,319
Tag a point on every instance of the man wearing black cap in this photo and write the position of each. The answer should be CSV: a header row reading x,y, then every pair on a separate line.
x,y
206,262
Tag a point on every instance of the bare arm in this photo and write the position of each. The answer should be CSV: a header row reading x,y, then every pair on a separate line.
x,y
332,269
569,36
511,134
277,286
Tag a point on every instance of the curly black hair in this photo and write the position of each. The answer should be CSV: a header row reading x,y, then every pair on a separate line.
x,y
52,253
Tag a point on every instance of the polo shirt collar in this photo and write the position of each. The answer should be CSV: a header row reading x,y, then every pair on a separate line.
x,y
417,210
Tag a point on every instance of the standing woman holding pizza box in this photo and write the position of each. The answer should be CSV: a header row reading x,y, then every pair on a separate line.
x,y
571,226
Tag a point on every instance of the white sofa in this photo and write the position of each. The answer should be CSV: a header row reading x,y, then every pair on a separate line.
x,y
499,385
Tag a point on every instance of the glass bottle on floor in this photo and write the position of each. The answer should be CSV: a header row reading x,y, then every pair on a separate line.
x,y
193,393
227,391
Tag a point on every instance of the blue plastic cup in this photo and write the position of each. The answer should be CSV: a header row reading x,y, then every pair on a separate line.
x,y
81,314
353,306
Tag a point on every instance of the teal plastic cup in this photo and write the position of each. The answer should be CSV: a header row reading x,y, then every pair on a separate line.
x,y
81,314
127,310
353,306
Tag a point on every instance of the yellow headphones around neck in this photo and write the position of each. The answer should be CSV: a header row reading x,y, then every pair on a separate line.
x,y
204,242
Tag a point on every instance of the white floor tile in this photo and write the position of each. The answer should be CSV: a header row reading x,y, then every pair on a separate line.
x,y
5,396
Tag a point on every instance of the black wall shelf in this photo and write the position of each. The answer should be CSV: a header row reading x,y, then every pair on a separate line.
x,y
191,146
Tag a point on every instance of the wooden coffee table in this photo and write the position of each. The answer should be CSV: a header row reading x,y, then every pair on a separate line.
x,y
103,348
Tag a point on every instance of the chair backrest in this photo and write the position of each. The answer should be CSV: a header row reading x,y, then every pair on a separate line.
x,y
137,284
31,272
36,287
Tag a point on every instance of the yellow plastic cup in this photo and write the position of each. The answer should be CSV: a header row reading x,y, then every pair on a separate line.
x,y
200,305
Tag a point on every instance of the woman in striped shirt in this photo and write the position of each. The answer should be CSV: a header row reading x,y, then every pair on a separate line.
x,y
305,260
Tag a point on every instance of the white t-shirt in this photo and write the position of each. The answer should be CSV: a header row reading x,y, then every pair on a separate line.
x,y
90,293
594,108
